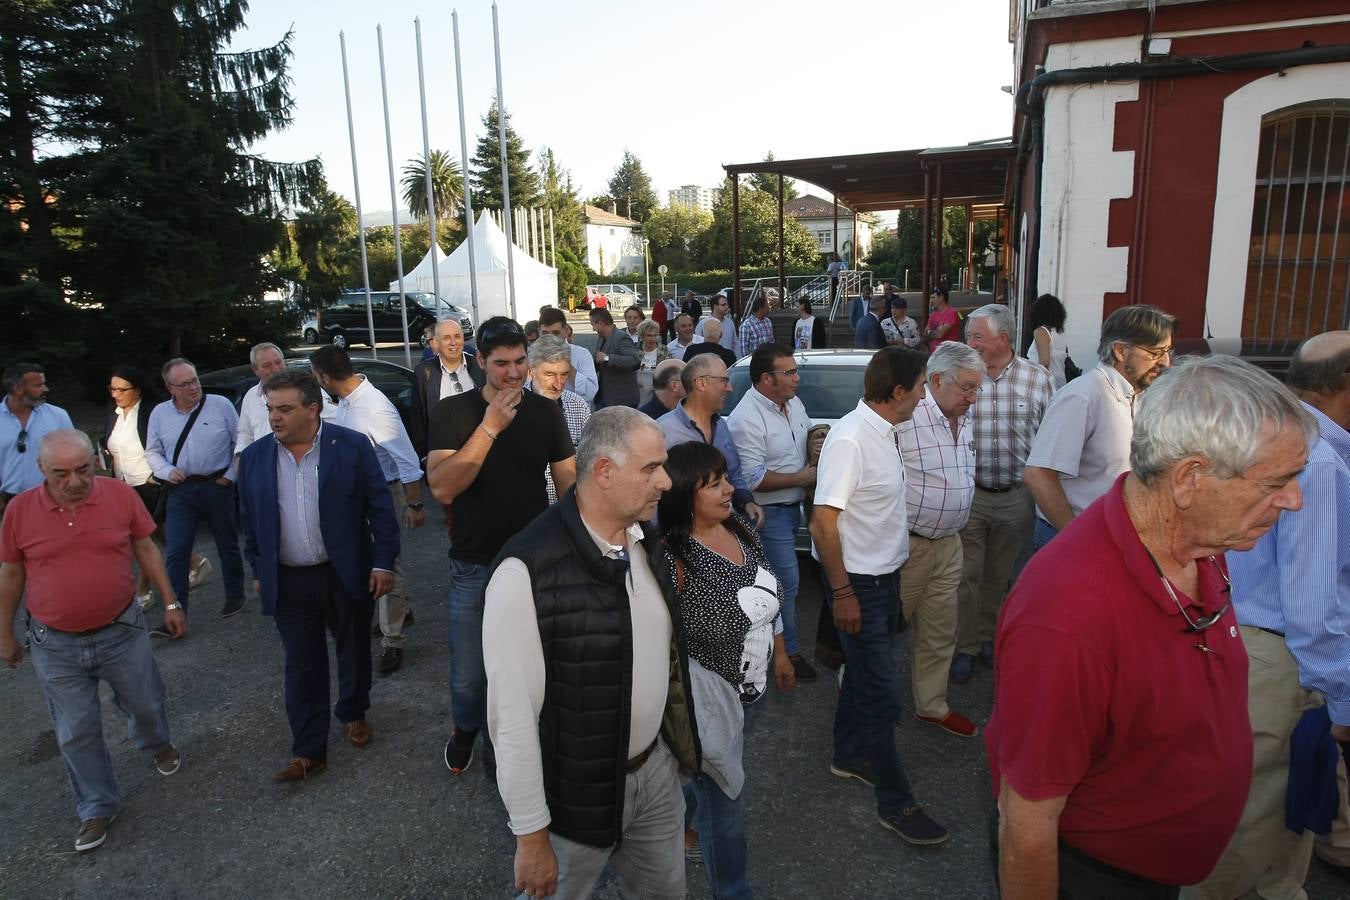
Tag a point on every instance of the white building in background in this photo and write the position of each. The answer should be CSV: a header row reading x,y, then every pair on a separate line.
x,y
817,216
613,243
693,195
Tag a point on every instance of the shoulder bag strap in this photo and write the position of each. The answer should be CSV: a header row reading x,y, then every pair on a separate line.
x,y
182,438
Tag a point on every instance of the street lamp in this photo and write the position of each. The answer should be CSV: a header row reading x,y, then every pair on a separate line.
x,y
647,270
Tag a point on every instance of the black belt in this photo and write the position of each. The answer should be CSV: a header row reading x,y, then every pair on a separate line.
x,y
786,503
90,631
1278,634
638,761
1104,868
197,479
1002,490
321,565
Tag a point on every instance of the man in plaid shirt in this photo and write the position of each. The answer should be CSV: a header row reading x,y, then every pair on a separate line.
x,y
756,329
939,455
1006,416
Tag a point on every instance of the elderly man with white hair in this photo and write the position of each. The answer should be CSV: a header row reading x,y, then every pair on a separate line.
x,y
1119,746
265,360
939,458
550,359
1013,397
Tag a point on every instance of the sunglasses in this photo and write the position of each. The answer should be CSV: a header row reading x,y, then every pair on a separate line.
x,y
22,444
495,332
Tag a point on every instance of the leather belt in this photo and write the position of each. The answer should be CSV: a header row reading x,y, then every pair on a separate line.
x,y
1002,490
89,631
197,479
638,761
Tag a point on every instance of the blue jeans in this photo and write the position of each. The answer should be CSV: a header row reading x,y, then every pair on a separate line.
x,y
779,537
69,669
188,505
1042,534
468,680
721,829
869,699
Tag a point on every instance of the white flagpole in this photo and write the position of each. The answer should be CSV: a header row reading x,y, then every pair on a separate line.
x,y
426,165
506,176
552,241
393,201
356,189
464,160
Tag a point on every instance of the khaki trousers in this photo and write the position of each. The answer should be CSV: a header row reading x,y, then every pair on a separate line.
x,y
394,606
928,583
1265,859
1335,847
990,542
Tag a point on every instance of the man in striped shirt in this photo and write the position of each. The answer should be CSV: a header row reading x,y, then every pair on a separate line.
x,y
1006,415
756,329
939,457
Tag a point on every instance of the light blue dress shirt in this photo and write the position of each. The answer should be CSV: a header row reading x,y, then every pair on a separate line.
x,y
209,446
19,471
1296,580
299,537
679,429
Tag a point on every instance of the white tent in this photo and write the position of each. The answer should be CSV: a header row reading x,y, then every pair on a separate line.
x,y
536,283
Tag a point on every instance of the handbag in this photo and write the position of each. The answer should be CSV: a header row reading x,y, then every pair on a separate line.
x,y
162,498
1071,370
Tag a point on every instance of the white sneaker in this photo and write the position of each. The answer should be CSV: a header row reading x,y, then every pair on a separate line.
x,y
199,573
146,601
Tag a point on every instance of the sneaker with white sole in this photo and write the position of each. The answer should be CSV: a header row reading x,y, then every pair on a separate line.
x,y
93,832
198,574
459,751
168,760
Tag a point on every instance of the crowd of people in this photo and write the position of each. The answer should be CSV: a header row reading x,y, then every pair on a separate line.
x,y
1153,558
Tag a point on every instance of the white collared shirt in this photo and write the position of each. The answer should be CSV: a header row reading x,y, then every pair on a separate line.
x,y
861,472
370,412
939,470
770,438
455,381
253,418
124,443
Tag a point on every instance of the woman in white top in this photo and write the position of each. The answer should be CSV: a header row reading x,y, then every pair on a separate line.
x,y
809,332
652,353
124,435
1047,344
633,316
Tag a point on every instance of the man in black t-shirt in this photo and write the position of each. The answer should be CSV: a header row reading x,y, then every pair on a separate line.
x,y
487,452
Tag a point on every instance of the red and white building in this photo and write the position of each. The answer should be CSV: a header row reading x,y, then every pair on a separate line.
x,y
1192,154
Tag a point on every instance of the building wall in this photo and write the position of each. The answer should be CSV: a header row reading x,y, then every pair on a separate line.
x,y
613,250
822,230
693,195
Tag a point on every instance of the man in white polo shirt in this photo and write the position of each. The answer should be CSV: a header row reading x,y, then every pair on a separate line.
x,y
939,452
769,427
861,540
1083,444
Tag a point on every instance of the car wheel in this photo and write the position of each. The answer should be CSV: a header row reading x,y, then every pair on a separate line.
x,y
340,340
311,336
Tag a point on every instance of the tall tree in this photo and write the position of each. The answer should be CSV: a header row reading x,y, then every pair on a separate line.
x,y
631,188
486,167
447,185
768,182
759,234
560,196
673,231
326,245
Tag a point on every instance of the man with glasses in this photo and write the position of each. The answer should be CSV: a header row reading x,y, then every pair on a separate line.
x,y
451,371
190,447
1013,397
1119,747
726,325
488,452
939,456
25,417
769,426
1083,443
583,381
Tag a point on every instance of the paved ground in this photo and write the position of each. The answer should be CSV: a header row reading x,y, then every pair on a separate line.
x,y
389,820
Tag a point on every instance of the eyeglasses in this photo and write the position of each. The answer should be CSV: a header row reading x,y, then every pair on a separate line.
x,y
722,378
1195,626
184,384
968,390
1153,354
785,372
22,443
118,390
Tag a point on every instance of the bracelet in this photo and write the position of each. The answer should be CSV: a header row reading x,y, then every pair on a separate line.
x,y
488,432
170,607
842,591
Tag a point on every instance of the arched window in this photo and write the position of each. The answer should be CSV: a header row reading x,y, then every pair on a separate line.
x,y
1298,264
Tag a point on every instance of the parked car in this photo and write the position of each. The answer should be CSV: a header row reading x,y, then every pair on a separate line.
x,y
309,330
617,297
392,380
344,323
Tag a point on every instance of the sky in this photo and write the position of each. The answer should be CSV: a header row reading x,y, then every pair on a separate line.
x,y
685,86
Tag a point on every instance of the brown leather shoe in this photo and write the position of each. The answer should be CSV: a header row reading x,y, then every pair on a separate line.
x,y
358,733
300,769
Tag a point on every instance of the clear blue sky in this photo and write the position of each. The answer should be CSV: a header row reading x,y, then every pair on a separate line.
x,y
685,86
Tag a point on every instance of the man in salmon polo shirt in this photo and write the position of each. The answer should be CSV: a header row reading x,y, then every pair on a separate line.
x,y
1120,747
71,540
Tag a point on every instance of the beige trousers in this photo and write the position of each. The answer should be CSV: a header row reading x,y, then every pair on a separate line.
x,y
928,583
394,606
1335,847
992,539
1265,859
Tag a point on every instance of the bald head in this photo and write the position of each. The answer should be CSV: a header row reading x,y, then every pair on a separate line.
x,y
712,331
1320,374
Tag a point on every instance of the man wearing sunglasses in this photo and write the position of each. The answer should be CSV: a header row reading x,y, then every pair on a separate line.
x,y
1119,745
25,417
1083,444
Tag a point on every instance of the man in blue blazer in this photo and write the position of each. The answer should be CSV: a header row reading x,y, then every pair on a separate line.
x,y
321,537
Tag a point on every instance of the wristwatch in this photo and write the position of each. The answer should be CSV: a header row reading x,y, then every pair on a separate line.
x,y
418,505
170,607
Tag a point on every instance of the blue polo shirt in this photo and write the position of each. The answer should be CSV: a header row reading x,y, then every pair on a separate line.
x,y
679,429
19,471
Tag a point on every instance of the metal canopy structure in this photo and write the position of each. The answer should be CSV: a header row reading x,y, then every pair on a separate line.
x,y
974,176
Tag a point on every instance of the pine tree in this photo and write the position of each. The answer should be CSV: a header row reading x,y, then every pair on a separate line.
x,y
631,189
486,167
768,182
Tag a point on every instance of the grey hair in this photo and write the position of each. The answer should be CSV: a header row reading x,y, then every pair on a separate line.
x,y
550,349
1138,326
1000,318
436,329
696,368
1218,407
258,349
609,435
647,326
951,356
59,436
1320,372
176,361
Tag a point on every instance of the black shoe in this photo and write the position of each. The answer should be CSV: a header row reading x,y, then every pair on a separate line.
x,y
859,769
803,669
459,751
914,826
390,660
232,608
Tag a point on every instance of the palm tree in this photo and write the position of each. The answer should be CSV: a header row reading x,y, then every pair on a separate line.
x,y
447,185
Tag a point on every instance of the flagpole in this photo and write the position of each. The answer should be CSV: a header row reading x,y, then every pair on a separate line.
x,y
393,202
356,189
506,175
464,157
426,166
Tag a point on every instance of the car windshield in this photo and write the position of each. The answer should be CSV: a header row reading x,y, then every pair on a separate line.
x,y
827,392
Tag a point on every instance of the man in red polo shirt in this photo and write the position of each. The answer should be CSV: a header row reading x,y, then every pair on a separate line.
x,y
71,540
1119,745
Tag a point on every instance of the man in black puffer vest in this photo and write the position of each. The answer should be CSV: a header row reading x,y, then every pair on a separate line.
x,y
589,710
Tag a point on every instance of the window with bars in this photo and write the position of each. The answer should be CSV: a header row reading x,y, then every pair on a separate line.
x,y
1298,264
